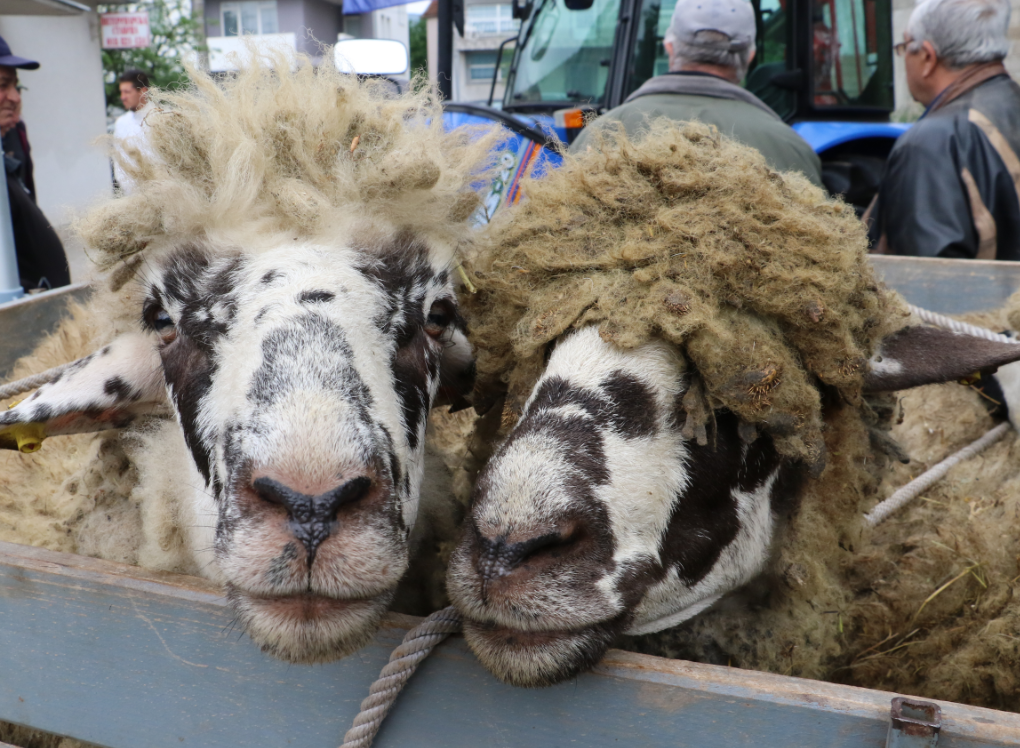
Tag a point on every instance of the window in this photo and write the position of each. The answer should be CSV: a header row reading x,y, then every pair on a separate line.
x,y
481,64
489,20
567,56
848,69
249,17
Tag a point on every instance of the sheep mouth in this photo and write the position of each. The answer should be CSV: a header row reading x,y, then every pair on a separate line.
x,y
540,657
305,627
305,607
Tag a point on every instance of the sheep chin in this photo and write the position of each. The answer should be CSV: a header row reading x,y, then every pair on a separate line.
x,y
539,658
308,628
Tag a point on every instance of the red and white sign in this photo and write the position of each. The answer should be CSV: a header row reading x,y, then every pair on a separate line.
x,y
125,30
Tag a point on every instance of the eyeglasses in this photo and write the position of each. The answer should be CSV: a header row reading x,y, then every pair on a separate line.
x,y
902,48
12,85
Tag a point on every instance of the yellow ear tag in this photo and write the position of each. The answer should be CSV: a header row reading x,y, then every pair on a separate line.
x,y
29,436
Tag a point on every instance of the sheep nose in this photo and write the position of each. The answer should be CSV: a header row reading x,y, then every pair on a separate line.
x,y
498,558
312,518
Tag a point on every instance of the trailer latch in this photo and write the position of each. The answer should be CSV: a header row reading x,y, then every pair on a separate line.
x,y
915,724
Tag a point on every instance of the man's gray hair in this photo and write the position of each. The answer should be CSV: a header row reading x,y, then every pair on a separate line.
x,y
963,32
710,48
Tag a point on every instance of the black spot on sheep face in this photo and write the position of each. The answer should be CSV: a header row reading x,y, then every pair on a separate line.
x,y
596,517
302,379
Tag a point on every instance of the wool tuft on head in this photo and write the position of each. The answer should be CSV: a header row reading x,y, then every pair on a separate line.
x,y
760,281
303,152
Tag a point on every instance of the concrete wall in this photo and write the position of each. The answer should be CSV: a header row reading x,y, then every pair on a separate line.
x,y
322,22
64,108
905,106
311,21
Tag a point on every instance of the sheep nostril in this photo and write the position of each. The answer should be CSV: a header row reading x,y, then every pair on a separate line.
x,y
312,518
498,558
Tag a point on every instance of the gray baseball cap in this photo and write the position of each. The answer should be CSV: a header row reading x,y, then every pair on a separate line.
x,y
734,18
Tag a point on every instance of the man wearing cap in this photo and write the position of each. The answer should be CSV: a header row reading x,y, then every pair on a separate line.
x,y
41,259
710,44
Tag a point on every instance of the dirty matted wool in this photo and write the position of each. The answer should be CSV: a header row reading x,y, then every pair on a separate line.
x,y
760,281
936,587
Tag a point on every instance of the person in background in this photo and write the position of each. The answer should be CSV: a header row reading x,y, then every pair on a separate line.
x,y
951,186
129,129
41,259
710,44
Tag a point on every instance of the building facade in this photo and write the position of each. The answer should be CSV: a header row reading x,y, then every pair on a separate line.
x,y
305,25
486,25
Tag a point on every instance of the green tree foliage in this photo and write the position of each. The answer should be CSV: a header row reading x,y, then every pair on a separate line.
x,y
419,47
176,32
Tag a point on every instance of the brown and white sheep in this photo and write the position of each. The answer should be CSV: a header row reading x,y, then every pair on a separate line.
x,y
684,349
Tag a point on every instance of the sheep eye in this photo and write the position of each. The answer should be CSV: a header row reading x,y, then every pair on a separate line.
x,y
157,318
440,317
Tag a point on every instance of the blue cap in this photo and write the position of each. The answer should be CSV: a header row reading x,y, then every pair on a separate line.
x,y
13,61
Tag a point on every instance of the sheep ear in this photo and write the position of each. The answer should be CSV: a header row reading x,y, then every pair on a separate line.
x,y
105,390
925,355
456,373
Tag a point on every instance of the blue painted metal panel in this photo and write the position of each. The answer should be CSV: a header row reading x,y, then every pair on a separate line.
x,y
517,156
822,136
125,658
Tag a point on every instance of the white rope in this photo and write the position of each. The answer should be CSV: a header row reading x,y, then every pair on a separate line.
x,y
955,325
923,482
415,647
33,382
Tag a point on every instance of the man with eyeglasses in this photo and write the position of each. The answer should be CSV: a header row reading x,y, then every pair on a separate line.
x,y
41,259
951,186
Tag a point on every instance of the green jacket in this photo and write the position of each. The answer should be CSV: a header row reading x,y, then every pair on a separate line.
x,y
740,116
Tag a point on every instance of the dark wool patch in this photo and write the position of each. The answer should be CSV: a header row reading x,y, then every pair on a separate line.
x,y
581,445
414,367
120,390
308,297
308,349
704,518
189,371
630,405
622,403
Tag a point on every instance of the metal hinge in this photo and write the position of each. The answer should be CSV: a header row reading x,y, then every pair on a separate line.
x,y
915,724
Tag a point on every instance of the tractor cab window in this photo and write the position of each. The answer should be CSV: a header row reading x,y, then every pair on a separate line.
x,y
770,57
850,48
650,57
564,55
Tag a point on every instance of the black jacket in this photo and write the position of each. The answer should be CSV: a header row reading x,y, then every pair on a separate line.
x,y
951,186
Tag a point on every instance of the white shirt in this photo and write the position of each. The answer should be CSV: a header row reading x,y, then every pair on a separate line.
x,y
129,128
